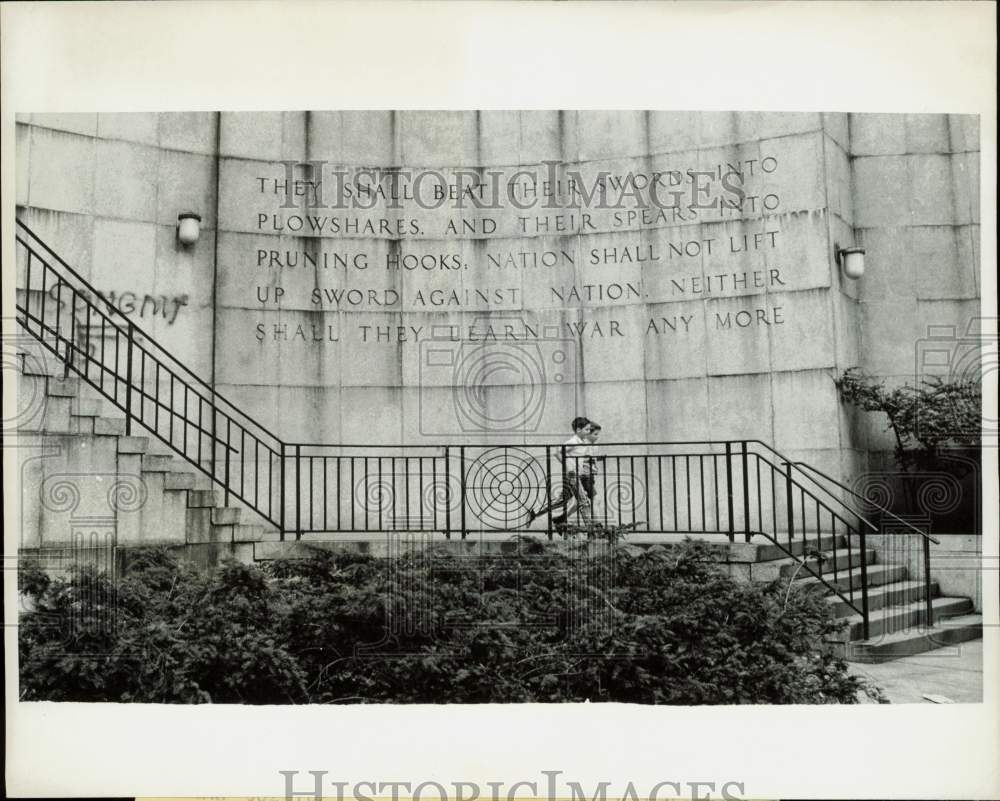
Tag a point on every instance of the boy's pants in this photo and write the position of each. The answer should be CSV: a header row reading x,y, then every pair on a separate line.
x,y
578,488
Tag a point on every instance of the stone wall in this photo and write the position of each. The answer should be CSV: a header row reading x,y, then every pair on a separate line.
x,y
916,211
916,201
104,191
671,361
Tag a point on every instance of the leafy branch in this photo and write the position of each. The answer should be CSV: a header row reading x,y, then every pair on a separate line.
x,y
923,418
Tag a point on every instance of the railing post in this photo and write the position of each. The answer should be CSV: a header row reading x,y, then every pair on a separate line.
x,y
789,502
746,491
128,380
281,490
72,337
461,475
547,497
729,489
927,581
298,492
564,510
59,286
27,293
214,436
864,582
447,491
229,433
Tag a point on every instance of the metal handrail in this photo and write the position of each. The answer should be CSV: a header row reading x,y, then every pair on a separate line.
x,y
868,500
135,327
541,443
146,396
807,492
244,468
927,540
798,465
841,501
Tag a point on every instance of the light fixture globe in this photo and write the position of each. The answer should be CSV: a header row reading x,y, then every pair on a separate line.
x,y
188,227
852,261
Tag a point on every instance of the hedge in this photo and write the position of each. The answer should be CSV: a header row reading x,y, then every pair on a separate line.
x,y
664,626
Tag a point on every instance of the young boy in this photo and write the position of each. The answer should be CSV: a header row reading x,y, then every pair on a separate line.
x,y
574,456
588,473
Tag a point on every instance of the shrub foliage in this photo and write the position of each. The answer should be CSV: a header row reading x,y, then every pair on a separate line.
x,y
547,625
923,418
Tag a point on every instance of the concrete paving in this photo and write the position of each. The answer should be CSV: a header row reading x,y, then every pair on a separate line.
x,y
953,673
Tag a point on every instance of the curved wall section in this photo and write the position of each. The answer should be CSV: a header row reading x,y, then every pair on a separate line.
x,y
668,274
430,276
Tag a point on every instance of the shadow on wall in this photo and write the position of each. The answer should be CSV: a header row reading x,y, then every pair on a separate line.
x,y
942,498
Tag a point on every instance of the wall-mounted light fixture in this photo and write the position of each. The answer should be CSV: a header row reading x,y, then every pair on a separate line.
x,y
188,227
852,261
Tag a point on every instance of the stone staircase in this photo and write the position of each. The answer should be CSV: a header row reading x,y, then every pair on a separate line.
x,y
896,601
85,435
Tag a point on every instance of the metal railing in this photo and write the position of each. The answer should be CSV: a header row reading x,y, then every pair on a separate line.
x,y
99,343
677,487
900,535
737,488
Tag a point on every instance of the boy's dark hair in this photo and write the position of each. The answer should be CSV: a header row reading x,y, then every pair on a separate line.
x,y
580,422
595,426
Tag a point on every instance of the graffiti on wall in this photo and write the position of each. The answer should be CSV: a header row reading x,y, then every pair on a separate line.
x,y
143,306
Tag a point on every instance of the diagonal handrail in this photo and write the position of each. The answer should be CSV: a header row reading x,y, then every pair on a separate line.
x,y
142,392
158,388
866,499
26,319
810,495
849,529
806,466
808,470
135,327
799,465
926,540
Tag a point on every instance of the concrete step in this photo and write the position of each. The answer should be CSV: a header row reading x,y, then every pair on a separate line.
x,y
250,533
109,427
41,365
198,524
201,481
158,463
790,566
899,592
176,480
202,526
83,426
202,499
905,618
133,445
226,515
63,387
42,414
179,464
82,415
222,533
157,447
961,628
843,559
241,534
877,576
86,407
770,551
